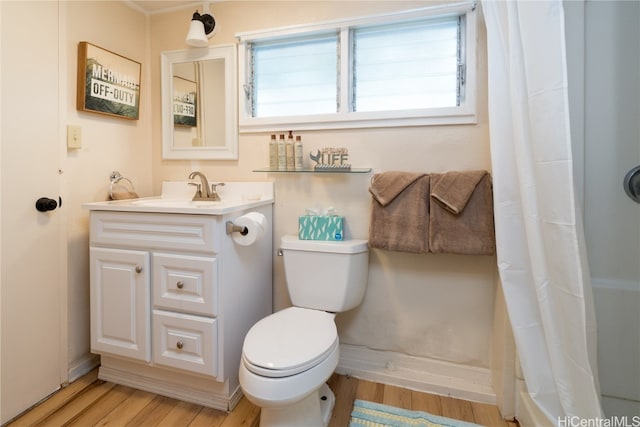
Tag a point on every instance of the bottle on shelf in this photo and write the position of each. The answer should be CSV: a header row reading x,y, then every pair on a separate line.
x,y
273,152
289,151
282,154
297,151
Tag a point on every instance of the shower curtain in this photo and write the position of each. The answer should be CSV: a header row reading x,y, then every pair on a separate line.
x,y
540,245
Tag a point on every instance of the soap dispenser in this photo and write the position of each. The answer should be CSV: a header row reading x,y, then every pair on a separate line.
x,y
297,151
273,153
290,152
282,154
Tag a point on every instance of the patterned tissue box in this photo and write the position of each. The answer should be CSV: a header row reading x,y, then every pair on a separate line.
x,y
320,227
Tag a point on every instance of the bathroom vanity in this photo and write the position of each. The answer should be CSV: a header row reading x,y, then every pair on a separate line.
x,y
173,294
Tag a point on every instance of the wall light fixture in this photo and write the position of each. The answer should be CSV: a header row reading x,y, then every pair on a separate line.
x,y
201,29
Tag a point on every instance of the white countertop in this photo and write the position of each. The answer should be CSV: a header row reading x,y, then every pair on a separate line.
x,y
176,198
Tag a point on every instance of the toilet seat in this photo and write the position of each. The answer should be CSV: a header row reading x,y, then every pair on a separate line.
x,y
290,341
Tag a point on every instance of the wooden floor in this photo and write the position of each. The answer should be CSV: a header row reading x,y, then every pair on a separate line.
x,y
93,402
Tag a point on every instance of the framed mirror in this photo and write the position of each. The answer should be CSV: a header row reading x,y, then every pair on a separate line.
x,y
200,103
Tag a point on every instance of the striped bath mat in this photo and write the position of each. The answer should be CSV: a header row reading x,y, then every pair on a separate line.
x,y
369,414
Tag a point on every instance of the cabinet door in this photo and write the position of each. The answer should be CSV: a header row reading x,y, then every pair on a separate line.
x,y
120,303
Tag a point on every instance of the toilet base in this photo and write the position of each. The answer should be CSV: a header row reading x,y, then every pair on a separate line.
x,y
327,402
313,411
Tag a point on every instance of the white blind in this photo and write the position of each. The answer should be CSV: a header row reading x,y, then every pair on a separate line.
x,y
406,66
295,77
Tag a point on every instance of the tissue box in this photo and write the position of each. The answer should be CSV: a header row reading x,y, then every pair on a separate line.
x,y
320,227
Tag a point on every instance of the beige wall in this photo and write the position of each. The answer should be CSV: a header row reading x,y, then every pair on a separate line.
x,y
108,144
430,306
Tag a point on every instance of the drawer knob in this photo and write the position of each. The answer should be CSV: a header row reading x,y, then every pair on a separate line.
x,y
179,344
180,284
138,269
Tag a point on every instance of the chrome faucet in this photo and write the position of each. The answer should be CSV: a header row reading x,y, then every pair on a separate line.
x,y
210,193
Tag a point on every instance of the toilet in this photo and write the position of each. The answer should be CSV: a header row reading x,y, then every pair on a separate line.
x,y
288,356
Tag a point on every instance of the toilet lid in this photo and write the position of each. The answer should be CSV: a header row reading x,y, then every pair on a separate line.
x,y
289,342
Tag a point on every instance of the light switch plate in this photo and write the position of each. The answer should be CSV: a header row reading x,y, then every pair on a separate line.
x,y
74,136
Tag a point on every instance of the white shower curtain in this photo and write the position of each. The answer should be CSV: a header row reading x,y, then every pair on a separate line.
x,y
541,252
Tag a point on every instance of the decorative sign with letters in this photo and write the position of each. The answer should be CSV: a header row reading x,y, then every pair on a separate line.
x,y
108,83
184,102
331,158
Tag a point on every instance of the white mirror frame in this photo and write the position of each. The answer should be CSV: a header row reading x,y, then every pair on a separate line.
x,y
228,151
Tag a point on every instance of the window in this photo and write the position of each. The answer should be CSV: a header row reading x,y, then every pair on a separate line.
x,y
294,76
408,68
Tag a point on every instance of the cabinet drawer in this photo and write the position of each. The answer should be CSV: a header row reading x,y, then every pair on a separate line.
x,y
185,342
185,283
155,231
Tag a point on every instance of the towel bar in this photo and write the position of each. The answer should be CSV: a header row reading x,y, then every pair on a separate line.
x,y
115,178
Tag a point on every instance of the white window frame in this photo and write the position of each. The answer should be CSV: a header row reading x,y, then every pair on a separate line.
x,y
465,113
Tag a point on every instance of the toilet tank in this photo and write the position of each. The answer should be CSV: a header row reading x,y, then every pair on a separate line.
x,y
325,275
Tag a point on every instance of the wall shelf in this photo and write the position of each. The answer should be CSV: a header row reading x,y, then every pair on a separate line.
x,y
320,171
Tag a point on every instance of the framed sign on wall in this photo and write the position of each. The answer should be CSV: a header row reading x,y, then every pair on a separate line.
x,y
108,83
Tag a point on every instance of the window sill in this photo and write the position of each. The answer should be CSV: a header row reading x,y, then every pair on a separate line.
x,y
444,116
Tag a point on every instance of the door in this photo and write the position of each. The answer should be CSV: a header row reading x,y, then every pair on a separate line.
x,y
33,333
120,303
612,220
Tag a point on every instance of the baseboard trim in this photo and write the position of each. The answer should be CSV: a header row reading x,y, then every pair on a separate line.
x,y
179,386
415,373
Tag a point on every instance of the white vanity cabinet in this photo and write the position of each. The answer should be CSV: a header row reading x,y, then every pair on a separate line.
x,y
172,297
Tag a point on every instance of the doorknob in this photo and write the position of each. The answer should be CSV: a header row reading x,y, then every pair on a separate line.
x,y
44,204
632,184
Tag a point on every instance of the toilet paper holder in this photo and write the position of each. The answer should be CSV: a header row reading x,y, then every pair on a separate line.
x,y
232,228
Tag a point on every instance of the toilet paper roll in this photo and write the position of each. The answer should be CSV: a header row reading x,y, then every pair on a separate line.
x,y
255,224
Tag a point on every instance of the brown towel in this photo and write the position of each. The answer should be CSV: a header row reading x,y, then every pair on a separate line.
x,y
124,195
387,186
399,212
471,230
453,189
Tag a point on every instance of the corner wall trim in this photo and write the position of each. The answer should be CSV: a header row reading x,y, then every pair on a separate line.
x,y
84,366
527,413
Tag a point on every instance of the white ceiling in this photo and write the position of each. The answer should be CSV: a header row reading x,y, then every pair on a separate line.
x,y
156,6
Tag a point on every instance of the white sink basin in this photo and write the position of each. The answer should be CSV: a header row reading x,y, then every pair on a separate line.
x,y
169,203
